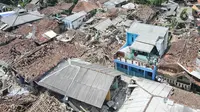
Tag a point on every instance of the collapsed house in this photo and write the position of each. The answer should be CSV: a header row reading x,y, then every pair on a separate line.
x,y
144,46
180,64
82,81
39,30
57,9
85,6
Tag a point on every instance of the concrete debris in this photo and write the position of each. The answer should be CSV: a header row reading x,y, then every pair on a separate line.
x,y
129,6
103,25
169,9
18,91
143,13
50,34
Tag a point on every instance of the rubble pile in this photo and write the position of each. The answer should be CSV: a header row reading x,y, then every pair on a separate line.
x,y
190,52
50,11
101,54
46,103
37,29
95,50
174,53
15,49
58,8
24,30
183,51
143,13
187,98
6,78
6,37
19,103
101,46
43,58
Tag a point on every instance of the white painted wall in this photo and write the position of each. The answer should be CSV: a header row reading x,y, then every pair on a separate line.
x,y
78,22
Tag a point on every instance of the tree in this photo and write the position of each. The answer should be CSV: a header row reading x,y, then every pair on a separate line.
x,y
10,2
156,2
151,2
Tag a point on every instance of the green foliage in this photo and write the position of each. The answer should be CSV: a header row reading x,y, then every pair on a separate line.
x,y
51,2
156,2
9,2
150,2
141,1
184,15
173,23
75,1
23,3
93,12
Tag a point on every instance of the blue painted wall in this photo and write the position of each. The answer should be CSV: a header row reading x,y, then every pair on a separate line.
x,y
134,70
130,38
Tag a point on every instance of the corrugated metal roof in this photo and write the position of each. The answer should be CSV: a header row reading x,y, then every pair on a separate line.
x,y
141,28
103,25
137,102
142,47
75,16
147,33
147,38
15,20
155,88
85,82
151,96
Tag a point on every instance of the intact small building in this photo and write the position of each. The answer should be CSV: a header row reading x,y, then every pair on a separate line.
x,y
145,44
74,21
